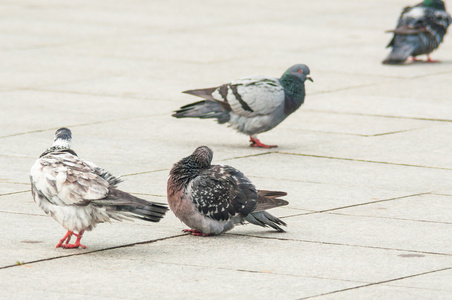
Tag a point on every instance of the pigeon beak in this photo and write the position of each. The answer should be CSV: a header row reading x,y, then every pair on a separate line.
x,y
309,78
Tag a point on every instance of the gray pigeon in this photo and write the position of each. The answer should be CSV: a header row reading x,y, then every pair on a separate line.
x,y
420,30
78,194
212,199
251,105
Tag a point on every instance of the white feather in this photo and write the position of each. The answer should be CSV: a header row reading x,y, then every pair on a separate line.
x,y
56,195
262,94
415,13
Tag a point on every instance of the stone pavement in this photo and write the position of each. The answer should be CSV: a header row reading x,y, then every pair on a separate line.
x,y
366,161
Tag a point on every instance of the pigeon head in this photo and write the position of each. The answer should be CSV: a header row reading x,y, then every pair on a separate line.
x,y
435,4
300,71
189,167
63,138
202,157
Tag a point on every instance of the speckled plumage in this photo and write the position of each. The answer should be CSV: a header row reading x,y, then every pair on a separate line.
x,y
420,30
251,105
79,195
212,199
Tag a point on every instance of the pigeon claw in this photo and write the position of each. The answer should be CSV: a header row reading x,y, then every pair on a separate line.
x,y
73,246
430,60
195,232
256,143
64,242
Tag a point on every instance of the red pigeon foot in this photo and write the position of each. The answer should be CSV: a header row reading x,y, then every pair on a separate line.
x,y
65,240
77,242
195,232
257,143
414,59
429,60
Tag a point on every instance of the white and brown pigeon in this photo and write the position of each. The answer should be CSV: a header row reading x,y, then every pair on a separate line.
x,y
79,195
211,199
420,30
251,105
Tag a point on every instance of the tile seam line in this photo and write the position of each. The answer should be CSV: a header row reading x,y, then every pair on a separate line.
x,y
259,272
54,128
368,216
377,115
358,204
363,160
226,159
376,283
353,87
79,125
48,89
13,193
359,134
388,76
344,245
390,218
93,251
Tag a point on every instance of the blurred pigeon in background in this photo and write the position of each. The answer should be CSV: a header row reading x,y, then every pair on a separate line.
x,y
78,194
212,199
420,30
251,105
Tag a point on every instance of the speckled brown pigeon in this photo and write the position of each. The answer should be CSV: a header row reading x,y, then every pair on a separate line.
x,y
79,195
212,199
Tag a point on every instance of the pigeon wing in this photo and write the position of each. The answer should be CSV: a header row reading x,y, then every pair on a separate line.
x,y
251,96
65,179
417,19
436,22
222,192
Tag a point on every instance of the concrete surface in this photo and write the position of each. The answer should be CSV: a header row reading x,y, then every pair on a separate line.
x,y
366,161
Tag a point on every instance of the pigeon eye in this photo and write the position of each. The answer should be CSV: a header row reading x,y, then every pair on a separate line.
x,y
300,71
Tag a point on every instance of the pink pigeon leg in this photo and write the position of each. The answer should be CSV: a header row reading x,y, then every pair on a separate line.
x,y
256,143
77,241
62,243
429,60
195,232
414,58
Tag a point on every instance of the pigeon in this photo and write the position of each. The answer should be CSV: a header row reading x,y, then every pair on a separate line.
x,y
79,195
420,30
211,199
251,105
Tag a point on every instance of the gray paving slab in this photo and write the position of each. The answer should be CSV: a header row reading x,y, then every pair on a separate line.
x,y
346,172
438,281
11,188
39,243
358,125
426,147
182,278
365,161
426,208
385,291
372,232
365,101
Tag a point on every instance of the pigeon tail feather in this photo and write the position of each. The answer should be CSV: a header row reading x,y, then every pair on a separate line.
x,y
203,93
124,203
264,219
399,54
112,179
204,109
269,199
